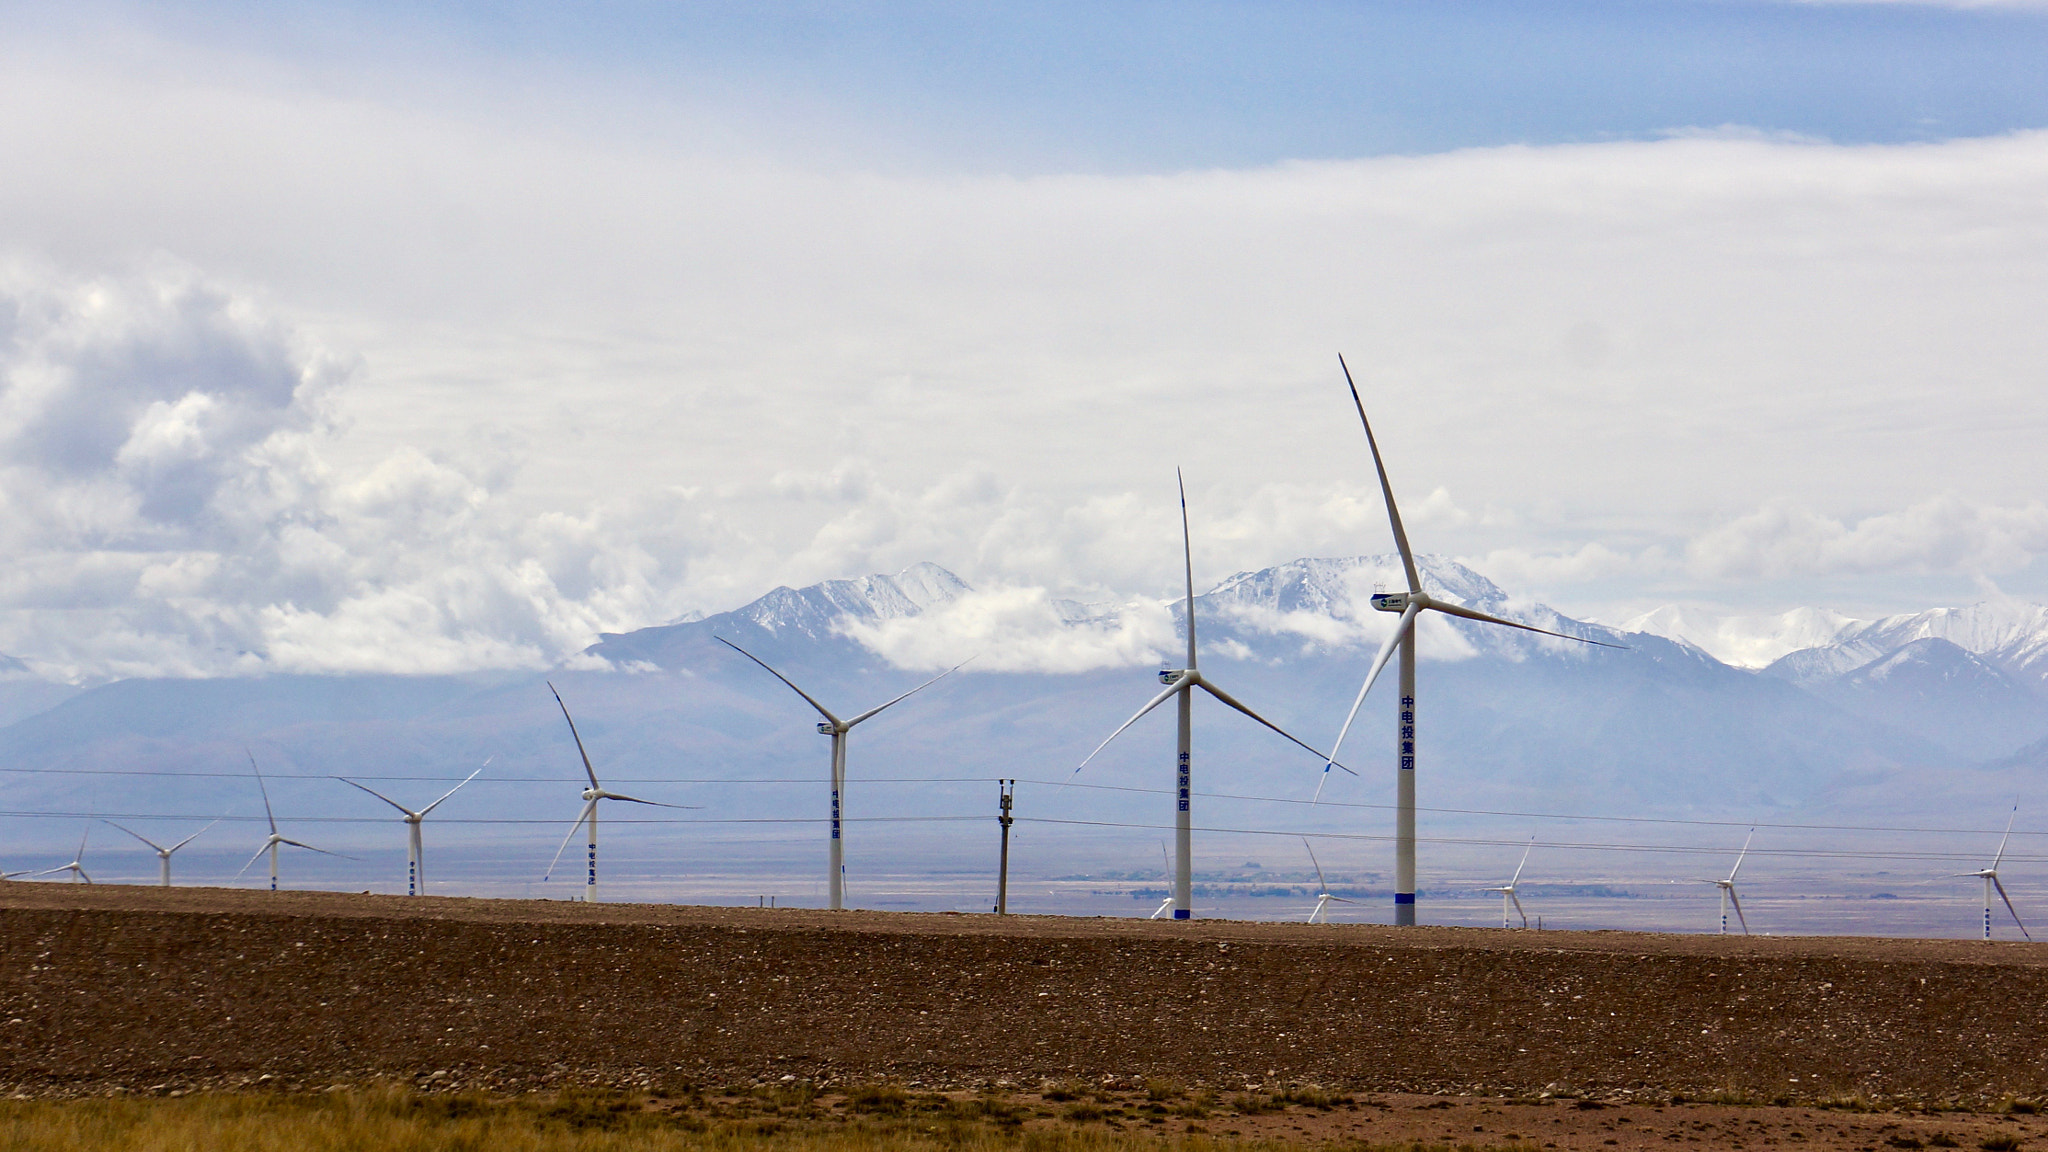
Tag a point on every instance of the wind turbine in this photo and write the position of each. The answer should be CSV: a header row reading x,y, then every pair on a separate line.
x,y
1727,888
1508,893
415,866
1167,862
838,730
1410,605
591,796
77,865
1181,683
1323,895
270,845
1991,880
163,854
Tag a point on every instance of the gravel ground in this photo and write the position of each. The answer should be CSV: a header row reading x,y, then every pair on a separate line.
x,y
132,988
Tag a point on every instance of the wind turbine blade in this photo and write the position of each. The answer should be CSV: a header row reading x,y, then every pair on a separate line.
x,y
1740,855
377,794
1524,864
580,818
2008,835
450,792
2000,885
1379,662
310,848
1322,885
1739,917
1487,617
1156,701
1386,489
822,710
587,769
1518,909
1233,701
1187,552
145,839
907,695
253,859
260,787
198,834
637,800
87,876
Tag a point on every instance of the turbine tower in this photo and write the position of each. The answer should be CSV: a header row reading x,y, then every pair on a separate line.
x,y
163,854
1727,888
415,866
1991,880
1507,893
77,865
1324,897
591,796
838,730
270,845
1410,605
1181,683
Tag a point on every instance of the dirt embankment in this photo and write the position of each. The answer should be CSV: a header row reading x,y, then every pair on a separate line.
x,y
141,988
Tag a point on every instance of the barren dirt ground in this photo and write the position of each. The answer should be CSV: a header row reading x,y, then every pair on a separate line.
x,y
1433,1034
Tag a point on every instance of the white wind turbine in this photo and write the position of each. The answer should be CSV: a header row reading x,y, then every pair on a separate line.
x,y
1727,888
591,796
1410,605
275,839
163,854
1181,683
415,860
838,730
1991,880
1324,897
1507,893
77,865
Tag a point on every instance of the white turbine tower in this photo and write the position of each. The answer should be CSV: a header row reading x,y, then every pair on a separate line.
x,y
1991,880
591,796
1507,893
838,730
1727,888
77,865
1181,683
271,844
415,861
1410,605
1324,897
163,854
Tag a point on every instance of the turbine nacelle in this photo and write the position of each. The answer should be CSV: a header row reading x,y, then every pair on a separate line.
x,y
825,729
1397,602
1172,675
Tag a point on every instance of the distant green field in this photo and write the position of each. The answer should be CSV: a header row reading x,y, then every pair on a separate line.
x,y
399,1120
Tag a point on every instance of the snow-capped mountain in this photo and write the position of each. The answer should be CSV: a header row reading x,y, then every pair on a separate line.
x,y
1746,641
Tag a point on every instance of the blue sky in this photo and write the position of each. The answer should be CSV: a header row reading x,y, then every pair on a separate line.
x,y
1149,87
437,338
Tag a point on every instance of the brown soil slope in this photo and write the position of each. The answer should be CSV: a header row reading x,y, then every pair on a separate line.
x,y
137,987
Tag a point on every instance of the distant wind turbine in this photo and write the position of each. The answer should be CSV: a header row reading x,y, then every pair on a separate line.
x,y
838,730
1727,888
1181,683
163,854
1507,893
1991,880
270,845
591,796
1410,605
1324,897
415,863
1166,862
77,865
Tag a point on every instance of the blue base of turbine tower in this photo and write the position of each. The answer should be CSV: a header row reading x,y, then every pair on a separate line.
x,y
1404,909
1181,913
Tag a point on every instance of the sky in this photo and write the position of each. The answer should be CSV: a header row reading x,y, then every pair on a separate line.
x,y
430,338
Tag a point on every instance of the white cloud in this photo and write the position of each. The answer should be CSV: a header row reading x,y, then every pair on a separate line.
x,y
1943,534
1020,630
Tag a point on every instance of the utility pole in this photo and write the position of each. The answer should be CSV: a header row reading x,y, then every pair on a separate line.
x,y
1007,791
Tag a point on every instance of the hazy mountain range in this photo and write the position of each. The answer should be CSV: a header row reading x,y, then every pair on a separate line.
x,y
1822,714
